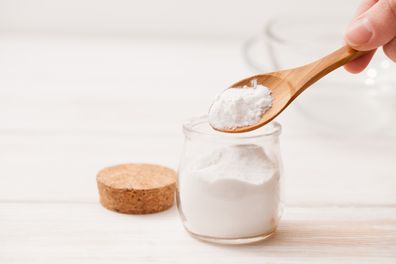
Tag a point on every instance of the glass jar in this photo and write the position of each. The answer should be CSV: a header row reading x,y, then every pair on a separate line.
x,y
229,185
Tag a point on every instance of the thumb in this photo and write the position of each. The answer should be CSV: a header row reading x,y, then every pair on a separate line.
x,y
373,28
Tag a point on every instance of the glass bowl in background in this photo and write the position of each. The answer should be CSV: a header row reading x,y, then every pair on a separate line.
x,y
339,103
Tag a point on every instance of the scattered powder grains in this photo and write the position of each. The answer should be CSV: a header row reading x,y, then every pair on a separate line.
x,y
136,188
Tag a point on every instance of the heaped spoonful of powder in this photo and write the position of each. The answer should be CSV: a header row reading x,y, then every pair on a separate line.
x,y
240,106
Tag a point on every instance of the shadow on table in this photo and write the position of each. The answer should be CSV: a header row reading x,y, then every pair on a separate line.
x,y
325,238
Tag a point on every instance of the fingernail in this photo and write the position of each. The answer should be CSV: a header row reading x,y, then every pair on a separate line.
x,y
359,32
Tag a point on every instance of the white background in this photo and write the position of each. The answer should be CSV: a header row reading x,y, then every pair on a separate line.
x,y
205,18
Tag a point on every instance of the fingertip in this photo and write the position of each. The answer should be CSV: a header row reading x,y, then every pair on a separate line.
x,y
358,65
390,49
359,34
374,27
354,69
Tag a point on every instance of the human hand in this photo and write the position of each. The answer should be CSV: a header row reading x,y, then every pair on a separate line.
x,y
374,26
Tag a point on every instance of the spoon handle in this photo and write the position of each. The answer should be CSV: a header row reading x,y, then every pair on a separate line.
x,y
316,70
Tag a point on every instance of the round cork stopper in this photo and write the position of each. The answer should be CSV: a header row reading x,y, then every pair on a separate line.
x,y
136,188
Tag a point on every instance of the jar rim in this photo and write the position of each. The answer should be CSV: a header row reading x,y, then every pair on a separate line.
x,y
190,127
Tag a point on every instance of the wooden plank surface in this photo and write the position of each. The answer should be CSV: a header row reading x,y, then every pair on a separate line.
x,y
75,232
70,106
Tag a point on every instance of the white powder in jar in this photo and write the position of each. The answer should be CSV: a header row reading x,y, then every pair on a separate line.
x,y
239,107
232,192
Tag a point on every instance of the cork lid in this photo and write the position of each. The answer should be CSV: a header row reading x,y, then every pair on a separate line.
x,y
136,188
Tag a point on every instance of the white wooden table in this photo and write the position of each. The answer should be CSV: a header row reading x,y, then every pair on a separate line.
x,y
71,106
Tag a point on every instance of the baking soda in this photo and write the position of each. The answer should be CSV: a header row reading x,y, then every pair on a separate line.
x,y
239,107
231,192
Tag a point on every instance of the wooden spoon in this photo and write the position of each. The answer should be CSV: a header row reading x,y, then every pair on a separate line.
x,y
286,85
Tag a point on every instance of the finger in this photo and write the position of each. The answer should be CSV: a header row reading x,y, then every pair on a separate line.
x,y
373,28
364,6
359,64
390,49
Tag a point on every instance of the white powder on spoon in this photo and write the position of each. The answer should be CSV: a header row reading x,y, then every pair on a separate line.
x,y
240,106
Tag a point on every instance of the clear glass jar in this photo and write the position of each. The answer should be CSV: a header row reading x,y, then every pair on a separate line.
x,y
229,185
